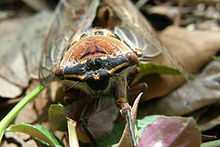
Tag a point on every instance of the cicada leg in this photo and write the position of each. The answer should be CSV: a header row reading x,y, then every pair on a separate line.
x,y
84,124
125,108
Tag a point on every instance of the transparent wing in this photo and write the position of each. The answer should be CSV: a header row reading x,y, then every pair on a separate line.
x,y
135,30
138,33
140,43
70,18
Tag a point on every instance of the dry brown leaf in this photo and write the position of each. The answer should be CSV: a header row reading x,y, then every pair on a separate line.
x,y
36,4
201,92
21,43
209,117
16,138
5,86
191,49
199,1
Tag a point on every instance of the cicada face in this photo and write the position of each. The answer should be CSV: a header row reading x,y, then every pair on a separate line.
x,y
94,57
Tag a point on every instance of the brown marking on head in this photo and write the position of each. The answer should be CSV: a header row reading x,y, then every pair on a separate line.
x,y
94,46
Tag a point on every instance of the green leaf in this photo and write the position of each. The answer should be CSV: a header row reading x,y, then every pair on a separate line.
x,y
141,124
214,143
217,58
17,108
152,68
57,117
37,131
149,68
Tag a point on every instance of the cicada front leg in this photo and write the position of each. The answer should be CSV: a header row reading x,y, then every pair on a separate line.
x,y
125,108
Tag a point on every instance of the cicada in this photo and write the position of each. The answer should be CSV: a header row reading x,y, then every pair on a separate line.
x,y
94,47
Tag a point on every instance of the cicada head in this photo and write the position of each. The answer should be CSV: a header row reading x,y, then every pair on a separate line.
x,y
94,57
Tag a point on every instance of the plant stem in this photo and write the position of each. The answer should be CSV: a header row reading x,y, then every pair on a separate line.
x,y
73,139
17,108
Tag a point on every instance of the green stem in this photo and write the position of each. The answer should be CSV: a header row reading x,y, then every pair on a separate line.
x,y
214,143
17,108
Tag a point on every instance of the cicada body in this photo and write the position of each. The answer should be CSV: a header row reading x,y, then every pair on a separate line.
x,y
93,55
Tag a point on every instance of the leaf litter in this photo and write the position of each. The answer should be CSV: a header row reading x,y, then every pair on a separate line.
x,y
181,41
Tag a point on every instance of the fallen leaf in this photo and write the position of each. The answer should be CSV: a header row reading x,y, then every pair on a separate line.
x,y
20,138
190,50
208,117
5,86
170,132
36,131
36,4
203,91
21,51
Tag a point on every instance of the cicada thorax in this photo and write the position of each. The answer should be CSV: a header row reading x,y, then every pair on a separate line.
x,y
94,57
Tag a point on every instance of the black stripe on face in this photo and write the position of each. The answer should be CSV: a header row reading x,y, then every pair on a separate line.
x,y
110,65
75,73
113,63
78,69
